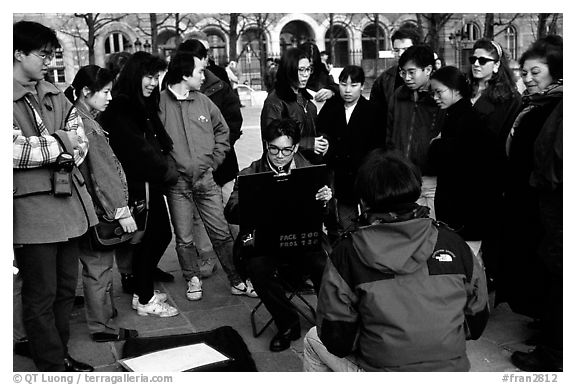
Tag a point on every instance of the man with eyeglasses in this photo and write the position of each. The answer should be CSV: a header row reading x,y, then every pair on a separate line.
x,y
384,86
282,139
52,208
414,118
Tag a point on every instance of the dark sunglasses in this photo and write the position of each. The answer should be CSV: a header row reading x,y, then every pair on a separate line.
x,y
482,60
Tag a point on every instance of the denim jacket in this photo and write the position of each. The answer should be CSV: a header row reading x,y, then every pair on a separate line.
x,y
103,172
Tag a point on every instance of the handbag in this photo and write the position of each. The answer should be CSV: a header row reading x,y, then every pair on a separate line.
x,y
108,234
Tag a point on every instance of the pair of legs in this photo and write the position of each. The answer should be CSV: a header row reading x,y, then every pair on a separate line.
x,y
97,267
206,196
49,274
318,359
263,269
150,250
427,194
200,235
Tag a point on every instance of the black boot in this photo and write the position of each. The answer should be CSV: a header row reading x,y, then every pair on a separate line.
x,y
281,341
71,365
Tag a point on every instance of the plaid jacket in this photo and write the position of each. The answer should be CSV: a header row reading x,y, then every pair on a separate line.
x,y
43,149
39,136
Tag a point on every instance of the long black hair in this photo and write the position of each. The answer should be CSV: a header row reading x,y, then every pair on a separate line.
x,y
129,81
91,76
287,75
501,86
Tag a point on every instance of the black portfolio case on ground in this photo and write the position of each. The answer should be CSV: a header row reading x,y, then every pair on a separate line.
x,y
224,339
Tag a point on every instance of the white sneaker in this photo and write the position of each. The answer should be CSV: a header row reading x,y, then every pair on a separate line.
x,y
157,309
242,288
161,297
194,291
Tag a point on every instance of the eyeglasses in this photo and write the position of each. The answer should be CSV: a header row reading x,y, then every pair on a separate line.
x,y
286,151
438,92
412,72
46,57
481,59
303,70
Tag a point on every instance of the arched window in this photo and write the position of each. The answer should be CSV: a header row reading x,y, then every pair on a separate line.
x,y
294,33
340,34
217,45
117,42
510,37
369,49
470,31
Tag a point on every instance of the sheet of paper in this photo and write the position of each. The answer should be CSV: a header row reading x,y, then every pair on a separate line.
x,y
318,105
177,359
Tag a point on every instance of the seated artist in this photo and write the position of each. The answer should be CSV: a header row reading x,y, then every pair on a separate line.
x,y
281,156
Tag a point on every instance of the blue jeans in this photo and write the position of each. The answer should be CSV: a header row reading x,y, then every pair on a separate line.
x,y
206,195
427,194
318,359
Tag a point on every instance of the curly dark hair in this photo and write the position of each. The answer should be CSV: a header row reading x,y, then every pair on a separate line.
x,y
549,49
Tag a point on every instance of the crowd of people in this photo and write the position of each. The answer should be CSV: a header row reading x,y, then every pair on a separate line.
x,y
443,186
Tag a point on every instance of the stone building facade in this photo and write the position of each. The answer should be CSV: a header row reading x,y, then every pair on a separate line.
x,y
354,37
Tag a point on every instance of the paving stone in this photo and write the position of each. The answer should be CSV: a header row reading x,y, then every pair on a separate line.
x,y
285,361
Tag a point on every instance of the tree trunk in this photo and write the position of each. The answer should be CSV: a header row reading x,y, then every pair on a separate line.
x,y
177,38
542,19
91,37
377,25
154,33
262,48
233,37
489,26
433,38
553,30
332,40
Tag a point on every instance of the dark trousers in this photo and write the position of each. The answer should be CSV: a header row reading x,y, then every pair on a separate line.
x,y
550,251
150,250
49,277
262,270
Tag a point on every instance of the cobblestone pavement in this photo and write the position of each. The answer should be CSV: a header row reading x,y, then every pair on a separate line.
x,y
505,333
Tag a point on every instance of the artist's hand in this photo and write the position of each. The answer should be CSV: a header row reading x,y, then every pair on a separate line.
x,y
324,194
320,145
128,224
323,94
